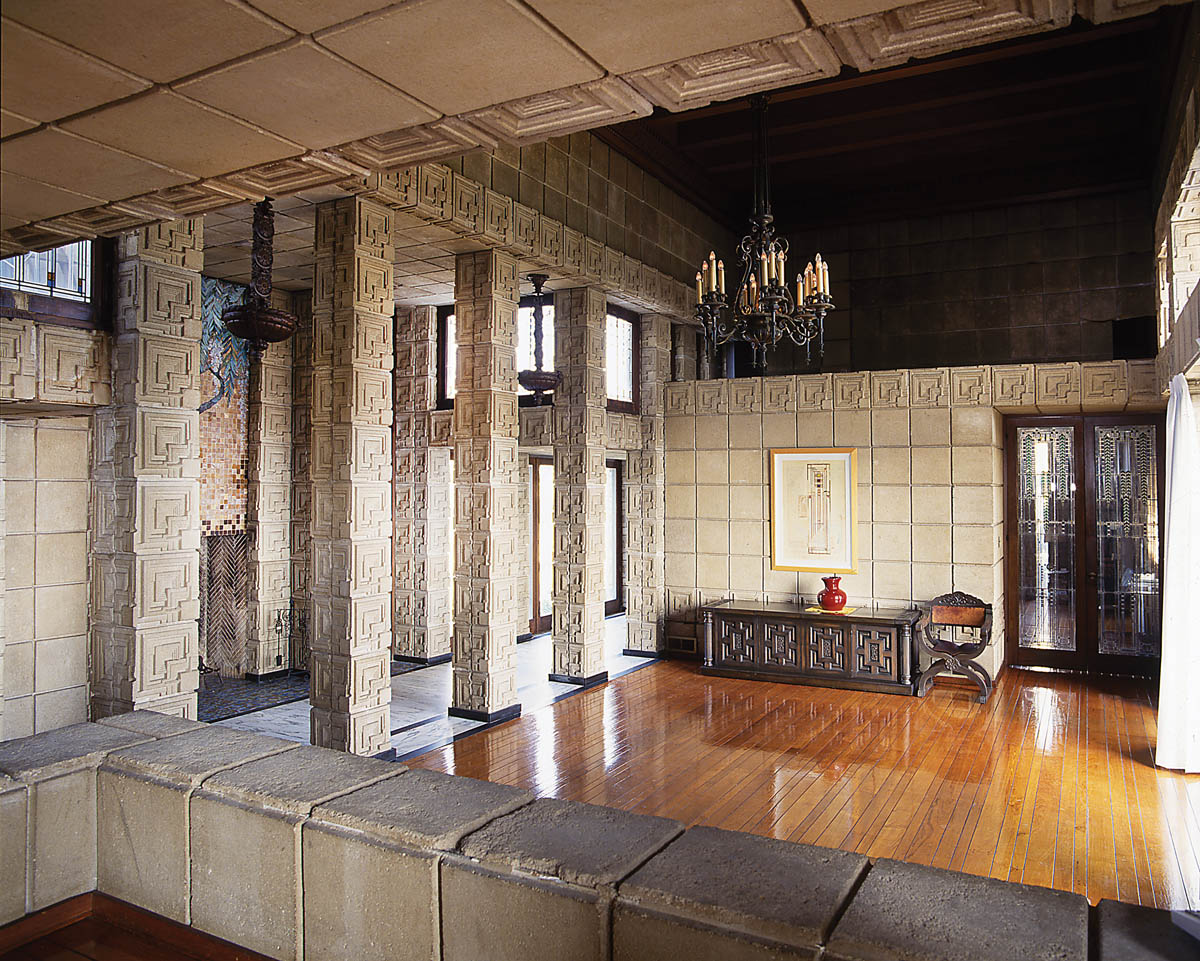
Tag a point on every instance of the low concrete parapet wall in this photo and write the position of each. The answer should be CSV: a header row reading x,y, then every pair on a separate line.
x,y
304,853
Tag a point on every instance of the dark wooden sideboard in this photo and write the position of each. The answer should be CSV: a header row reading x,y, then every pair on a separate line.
x,y
870,650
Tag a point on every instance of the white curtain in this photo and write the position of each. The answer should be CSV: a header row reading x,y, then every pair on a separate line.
x,y
1178,697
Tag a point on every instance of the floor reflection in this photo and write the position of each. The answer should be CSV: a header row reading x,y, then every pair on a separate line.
x,y
1050,783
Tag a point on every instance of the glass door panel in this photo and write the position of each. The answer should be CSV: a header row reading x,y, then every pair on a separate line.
x,y
1083,542
1128,616
1047,609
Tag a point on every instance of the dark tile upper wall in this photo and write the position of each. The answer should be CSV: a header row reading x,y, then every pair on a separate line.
x,y
1034,282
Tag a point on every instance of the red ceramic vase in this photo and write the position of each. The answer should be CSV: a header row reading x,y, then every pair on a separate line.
x,y
833,598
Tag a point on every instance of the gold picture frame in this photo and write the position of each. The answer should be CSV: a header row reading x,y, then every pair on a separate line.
x,y
814,509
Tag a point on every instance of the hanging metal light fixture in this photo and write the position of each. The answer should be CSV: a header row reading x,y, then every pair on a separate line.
x,y
538,381
763,309
256,321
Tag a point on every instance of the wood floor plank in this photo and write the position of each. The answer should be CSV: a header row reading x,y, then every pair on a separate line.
x,y
1051,782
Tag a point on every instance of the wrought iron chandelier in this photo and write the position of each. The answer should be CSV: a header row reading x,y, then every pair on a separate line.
x,y
539,382
763,309
256,321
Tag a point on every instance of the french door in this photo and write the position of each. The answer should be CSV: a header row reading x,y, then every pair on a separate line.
x,y
1084,496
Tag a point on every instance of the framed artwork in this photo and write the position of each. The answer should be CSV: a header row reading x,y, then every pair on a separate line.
x,y
814,509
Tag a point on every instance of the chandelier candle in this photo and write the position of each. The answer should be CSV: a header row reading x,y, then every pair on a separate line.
x,y
763,309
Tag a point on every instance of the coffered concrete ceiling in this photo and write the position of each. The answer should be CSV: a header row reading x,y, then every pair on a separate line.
x,y
125,112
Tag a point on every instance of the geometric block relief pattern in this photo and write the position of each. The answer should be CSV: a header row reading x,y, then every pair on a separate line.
x,y
738,71
487,525
422,496
145,585
51,364
645,495
936,26
580,412
269,504
351,392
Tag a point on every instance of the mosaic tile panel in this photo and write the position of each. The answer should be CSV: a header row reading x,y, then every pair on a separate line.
x,y
224,383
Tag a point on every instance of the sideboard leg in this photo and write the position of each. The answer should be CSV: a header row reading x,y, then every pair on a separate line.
x,y
708,639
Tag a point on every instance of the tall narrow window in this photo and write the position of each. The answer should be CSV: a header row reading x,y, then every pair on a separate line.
x,y
621,360
614,540
447,348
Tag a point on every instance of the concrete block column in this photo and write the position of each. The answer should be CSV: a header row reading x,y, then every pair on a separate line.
x,y
146,492
645,496
351,472
300,511
487,524
580,412
268,519
684,338
422,497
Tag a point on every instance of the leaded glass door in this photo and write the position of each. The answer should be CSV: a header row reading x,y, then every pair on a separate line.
x,y
1083,542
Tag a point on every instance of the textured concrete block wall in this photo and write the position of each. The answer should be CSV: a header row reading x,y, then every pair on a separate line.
x,y
350,468
47,467
930,477
486,617
581,182
45,364
579,476
422,496
269,498
146,465
302,852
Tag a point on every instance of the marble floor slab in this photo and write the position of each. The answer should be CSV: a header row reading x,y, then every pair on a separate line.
x,y
420,698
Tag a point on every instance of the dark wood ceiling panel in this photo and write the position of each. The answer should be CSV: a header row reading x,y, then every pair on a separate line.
x,y
1077,110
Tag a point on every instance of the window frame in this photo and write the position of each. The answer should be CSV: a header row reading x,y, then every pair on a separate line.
x,y
94,314
616,605
443,401
624,406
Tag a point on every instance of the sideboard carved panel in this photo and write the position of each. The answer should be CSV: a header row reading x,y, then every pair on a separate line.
x,y
875,652
867,650
826,648
781,646
736,642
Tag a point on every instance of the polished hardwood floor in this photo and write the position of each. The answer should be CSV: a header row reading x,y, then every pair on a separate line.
x,y
1052,782
94,927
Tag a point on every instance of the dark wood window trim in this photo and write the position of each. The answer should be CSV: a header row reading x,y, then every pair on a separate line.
x,y
616,605
443,314
634,406
94,314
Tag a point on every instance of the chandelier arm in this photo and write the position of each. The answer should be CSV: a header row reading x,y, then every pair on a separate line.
x,y
776,310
